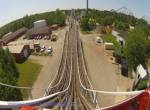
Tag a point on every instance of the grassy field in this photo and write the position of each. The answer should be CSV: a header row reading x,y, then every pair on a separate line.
x,y
112,39
28,75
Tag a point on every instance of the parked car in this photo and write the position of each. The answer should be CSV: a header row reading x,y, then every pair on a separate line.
x,y
98,40
50,50
45,37
54,37
39,37
43,48
48,37
37,47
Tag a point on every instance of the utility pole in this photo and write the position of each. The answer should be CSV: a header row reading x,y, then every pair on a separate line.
x,y
87,6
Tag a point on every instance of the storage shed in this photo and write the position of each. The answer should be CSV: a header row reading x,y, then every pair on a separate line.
x,y
40,24
13,36
20,52
22,42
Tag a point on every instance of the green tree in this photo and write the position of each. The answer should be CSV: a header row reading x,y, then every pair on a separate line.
x,y
144,26
122,25
26,21
60,18
84,24
108,20
57,17
92,23
9,75
135,48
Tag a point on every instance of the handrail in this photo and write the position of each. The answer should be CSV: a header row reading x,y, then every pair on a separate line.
x,y
18,87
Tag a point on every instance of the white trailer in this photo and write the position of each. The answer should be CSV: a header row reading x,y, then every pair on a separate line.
x,y
109,46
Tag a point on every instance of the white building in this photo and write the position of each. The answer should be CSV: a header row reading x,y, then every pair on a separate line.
x,y
119,36
131,27
7,34
40,24
141,72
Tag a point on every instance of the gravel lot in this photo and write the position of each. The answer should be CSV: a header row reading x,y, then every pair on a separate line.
x,y
102,72
50,63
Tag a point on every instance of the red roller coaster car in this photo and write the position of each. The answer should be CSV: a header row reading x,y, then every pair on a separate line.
x,y
139,102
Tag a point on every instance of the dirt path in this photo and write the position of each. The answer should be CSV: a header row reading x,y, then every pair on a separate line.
x,y
50,65
102,72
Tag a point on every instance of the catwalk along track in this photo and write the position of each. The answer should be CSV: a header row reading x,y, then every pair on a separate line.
x,y
71,76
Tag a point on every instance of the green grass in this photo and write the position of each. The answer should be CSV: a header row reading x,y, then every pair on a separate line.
x,y
112,39
28,75
148,62
143,83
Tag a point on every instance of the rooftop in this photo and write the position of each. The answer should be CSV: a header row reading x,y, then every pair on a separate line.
x,y
43,20
23,42
10,36
15,48
36,31
121,33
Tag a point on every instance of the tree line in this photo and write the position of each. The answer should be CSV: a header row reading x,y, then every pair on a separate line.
x,y
54,17
104,18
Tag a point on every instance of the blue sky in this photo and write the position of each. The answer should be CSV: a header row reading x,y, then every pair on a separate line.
x,y
13,9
